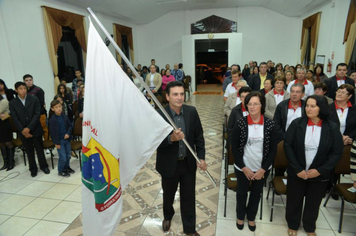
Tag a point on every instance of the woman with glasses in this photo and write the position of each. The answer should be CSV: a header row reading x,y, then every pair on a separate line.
x,y
254,145
313,146
343,113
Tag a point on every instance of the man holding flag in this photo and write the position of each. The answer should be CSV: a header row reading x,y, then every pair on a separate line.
x,y
174,161
114,148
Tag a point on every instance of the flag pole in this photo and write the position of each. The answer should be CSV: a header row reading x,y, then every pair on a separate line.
x,y
123,56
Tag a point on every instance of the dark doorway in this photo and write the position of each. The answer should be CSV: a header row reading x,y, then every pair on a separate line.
x,y
211,58
70,56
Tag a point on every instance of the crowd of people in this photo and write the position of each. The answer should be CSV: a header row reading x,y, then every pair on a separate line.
x,y
315,117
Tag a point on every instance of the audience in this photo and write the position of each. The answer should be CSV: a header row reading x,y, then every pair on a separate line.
x,y
267,86
228,78
232,87
6,146
340,78
256,82
308,86
39,93
177,73
275,96
154,80
233,99
166,79
319,75
321,89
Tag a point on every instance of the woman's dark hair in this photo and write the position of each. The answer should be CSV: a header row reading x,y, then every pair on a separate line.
x,y
270,79
323,86
260,97
59,89
322,69
311,71
245,89
3,82
322,103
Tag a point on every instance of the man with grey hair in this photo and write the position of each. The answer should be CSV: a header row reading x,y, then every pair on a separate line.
x,y
287,111
177,73
309,87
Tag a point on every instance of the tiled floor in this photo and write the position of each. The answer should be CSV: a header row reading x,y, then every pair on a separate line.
x,y
51,205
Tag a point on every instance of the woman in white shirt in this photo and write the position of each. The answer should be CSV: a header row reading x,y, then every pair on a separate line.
x,y
313,145
254,146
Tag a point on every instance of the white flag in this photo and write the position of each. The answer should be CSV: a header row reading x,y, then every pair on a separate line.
x,y
121,131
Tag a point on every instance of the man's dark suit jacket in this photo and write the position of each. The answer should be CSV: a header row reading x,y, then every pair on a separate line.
x,y
329,151
280,117
350,129
332,86
27,116
236,114
167,154
254,81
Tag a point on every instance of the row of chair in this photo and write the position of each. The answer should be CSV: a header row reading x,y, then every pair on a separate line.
x,y
277,184
76,143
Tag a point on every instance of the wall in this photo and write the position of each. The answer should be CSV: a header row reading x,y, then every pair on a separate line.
x,y
277,39
331,32
23,43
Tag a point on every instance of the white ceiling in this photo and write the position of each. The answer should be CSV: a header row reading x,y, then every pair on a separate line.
x,y
145,11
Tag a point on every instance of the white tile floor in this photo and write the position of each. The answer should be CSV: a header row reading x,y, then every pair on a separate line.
x,y
327,223
40,206
47,204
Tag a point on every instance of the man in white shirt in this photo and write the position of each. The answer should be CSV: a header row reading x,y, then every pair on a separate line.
x,y
309,87
232,87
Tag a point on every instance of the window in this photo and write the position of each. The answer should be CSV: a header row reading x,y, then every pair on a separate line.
x,y
70,56
213,24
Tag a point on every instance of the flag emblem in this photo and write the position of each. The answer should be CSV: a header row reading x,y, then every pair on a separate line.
x,y
101,174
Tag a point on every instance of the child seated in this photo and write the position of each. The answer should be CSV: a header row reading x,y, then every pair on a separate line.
x,y
60,129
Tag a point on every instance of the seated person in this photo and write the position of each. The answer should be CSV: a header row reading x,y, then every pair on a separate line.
x,y
238,111
232,87
233,99
321,89
275,96
267,86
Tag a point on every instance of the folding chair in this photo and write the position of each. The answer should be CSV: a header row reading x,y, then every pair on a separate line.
x,y
341,168
76,143
276,184
17,141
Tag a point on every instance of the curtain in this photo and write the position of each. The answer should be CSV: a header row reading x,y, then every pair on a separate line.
x,y
52,52
313,23
350,28
120,30
54,21
313,48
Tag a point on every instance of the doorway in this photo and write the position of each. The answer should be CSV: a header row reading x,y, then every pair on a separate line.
x,y
211,60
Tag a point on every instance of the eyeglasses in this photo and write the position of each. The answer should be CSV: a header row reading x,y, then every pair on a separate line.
x,y
342,92
253,104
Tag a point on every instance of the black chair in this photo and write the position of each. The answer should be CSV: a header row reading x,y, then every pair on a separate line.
x,y
76,143
342,168
17,141
231,181
277,184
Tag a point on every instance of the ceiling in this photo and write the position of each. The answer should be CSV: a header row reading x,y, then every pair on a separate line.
x,y
145,11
